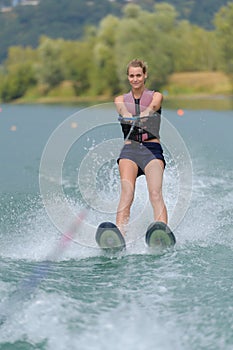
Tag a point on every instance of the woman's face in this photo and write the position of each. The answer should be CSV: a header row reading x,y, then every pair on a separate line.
x,y
136,77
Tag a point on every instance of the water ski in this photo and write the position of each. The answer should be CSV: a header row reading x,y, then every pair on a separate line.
x,y
159,235
108,236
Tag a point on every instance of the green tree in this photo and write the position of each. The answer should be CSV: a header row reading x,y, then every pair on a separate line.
x,y
76,60
18,73
104,77
196,49
16,83
148,36
51,70
224,30
20,55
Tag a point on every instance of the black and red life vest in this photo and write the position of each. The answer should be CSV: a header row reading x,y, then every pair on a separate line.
x,y
149,127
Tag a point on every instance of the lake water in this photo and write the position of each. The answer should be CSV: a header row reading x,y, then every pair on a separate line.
x,y
57,160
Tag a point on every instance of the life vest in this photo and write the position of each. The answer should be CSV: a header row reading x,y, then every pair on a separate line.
x,y
148,128
145,100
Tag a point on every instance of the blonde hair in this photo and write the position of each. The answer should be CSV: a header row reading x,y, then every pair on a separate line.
x,y
137,63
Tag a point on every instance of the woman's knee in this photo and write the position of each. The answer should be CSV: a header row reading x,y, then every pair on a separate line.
x,y
155,196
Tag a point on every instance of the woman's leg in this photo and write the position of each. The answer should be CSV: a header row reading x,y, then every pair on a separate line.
x,y
128,174
154,177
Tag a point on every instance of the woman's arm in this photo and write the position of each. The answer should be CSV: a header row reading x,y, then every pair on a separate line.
x,y
120,106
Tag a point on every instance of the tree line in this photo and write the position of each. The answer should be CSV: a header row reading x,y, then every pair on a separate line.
x,y
95,65
24,25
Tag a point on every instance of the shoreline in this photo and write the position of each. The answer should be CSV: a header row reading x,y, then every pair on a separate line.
x,y
181,87
215,102
92,99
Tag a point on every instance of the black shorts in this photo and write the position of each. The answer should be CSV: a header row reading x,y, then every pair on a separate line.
x,y
142,154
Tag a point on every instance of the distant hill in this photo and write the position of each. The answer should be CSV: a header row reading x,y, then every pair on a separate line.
x,y
23,25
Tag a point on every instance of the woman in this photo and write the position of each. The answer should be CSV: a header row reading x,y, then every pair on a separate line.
x,y
142,152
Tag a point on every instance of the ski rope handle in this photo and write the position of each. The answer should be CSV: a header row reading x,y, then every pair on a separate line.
x,y
134,120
